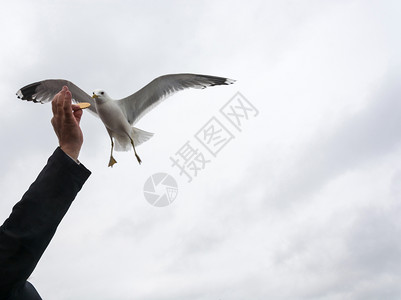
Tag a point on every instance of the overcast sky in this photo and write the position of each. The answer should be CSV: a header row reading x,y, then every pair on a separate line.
x,y
303,202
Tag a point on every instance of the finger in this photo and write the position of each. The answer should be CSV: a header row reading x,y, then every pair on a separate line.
x,y
75,107
67,105
54,103
54,109
60,103
78,114
57,99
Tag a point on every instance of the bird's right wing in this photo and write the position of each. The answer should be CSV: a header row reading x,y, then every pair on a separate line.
x,y
44,91
136,105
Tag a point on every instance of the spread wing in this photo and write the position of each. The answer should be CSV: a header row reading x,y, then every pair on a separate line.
x,y
44,91
136,105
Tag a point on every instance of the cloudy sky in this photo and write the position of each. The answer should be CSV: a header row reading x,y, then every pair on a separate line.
x,y
302,202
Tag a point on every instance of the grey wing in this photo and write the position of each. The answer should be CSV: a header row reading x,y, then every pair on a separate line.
x,y
136,105
44,91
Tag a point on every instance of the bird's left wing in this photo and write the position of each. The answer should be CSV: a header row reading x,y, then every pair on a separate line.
x,y
44,91
138,104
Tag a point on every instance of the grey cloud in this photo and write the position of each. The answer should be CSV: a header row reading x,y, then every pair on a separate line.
x,y
360,139
374,254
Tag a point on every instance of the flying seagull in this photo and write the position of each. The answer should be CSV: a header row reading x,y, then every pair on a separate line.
x,y
119,116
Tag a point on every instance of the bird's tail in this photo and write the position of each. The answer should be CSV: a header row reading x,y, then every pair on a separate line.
x,y
123,143
139,136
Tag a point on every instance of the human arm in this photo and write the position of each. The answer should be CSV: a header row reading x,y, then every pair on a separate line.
x,y
25,235
33,221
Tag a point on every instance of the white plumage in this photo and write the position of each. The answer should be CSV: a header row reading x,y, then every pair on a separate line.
x,y
118,116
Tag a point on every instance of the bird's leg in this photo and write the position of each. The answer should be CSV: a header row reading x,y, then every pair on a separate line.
x,y
112,161
136,155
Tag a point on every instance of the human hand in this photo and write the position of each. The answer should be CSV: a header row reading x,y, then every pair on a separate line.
x,y
65,121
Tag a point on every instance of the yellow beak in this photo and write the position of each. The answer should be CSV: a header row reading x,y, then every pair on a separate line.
x,y
94,96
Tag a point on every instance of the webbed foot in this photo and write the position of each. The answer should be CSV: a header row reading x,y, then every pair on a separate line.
x,y
112,161
138,159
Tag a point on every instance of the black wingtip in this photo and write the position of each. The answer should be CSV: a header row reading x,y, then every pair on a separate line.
x,y
28,92
220,80
229,81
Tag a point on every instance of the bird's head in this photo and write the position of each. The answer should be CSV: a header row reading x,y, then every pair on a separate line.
x,y
100,95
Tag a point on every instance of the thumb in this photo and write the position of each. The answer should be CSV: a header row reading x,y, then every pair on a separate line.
x,y
77,112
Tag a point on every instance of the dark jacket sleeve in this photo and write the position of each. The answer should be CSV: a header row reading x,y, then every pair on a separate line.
x,y
25,235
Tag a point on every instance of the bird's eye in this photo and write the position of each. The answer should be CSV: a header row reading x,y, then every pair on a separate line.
x,y
102,93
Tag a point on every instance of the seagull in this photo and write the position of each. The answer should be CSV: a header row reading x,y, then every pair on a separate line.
x,y
119,116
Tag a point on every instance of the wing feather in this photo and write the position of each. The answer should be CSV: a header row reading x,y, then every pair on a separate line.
x,y
139,103
45,90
